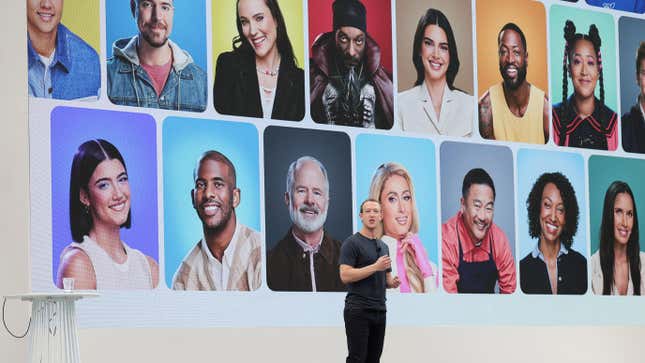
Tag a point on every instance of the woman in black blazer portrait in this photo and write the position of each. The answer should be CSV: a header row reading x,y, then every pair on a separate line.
x,y
260,76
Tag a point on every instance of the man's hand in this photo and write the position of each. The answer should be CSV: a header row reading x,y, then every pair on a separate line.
x,y
393,282
383,263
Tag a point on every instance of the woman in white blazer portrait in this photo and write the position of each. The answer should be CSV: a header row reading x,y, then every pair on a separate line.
x,y
434,105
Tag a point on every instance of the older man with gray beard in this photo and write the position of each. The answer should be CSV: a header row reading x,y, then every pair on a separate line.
x,y
306,259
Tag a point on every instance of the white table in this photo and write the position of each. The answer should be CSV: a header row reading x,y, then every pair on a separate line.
x,y
54,336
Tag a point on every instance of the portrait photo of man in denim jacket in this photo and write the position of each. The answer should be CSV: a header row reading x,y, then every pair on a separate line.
x,y
61,65
150,70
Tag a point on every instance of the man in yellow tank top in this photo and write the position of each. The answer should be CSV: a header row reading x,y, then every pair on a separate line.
x,y
514,110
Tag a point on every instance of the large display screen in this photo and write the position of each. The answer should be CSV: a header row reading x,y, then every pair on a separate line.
x,y
200,163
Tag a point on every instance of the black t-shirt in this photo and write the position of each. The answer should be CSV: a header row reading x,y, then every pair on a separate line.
x,y
359,251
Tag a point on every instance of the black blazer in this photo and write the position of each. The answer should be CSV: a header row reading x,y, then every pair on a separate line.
x,y
236,88
572,275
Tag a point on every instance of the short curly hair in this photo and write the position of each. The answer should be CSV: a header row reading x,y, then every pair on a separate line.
x,y
571,210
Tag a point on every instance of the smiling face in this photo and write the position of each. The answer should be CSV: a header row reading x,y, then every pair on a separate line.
x,y
477,210
552,214
434,53
258,26
154,20
108,194
623,218
43,16
350,42
215,196
583,68
371,215
308,200
513,59
397,202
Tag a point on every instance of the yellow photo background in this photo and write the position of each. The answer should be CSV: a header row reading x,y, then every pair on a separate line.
x,y
82,18
224,28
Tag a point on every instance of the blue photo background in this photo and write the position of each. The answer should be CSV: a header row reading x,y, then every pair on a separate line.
x,y
418,157
188,30
530,165
184,141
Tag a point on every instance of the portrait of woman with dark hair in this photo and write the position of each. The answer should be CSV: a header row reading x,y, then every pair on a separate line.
x,y
434,105
553,267
260,76
582,120
617,266
99,206
392,186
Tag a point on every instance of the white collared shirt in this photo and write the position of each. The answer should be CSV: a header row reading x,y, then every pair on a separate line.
x,y
219,271
416,113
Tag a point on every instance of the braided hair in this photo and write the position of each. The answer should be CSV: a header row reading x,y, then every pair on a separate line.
x,y
571,37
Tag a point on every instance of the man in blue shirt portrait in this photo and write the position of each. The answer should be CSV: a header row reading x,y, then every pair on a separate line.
x,y
61,65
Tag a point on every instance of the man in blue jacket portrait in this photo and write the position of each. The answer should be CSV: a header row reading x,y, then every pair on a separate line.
x,y
149,69
60,64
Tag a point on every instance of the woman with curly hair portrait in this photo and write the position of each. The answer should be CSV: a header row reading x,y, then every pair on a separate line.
x,y
553,267
617,266
582,120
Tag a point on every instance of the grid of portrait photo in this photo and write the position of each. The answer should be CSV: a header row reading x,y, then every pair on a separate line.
x,y
213,156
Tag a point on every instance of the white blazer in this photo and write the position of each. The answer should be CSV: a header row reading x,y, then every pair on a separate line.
x,y
415,112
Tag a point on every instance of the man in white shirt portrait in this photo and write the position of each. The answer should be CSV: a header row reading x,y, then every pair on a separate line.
x,y
228,257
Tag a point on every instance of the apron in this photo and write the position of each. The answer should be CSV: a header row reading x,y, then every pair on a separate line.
x,y
476,277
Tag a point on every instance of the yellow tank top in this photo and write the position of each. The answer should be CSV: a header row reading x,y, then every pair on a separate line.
x,y
508,127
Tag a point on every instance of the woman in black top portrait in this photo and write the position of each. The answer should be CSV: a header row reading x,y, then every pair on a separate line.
x,y
260,76
582,120
553,267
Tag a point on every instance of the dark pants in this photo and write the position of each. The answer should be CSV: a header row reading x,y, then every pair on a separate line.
x,y
365,330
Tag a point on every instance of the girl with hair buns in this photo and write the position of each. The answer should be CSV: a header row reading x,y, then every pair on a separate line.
x,y
582,120
392,187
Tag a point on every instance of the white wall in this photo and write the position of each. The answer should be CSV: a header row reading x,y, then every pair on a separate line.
x,y
488,344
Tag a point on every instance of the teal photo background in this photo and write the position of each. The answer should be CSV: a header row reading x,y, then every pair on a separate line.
x,y
582,19
418,157
603,170
184,140
530,165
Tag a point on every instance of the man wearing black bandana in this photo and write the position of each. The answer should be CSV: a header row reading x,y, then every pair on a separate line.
x,y
349,86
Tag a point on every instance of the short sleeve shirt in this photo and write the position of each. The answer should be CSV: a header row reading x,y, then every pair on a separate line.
x,y
359,251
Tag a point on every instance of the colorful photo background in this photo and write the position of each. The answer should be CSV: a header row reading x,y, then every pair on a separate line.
x,y
70,127
457,159
530,16
82,18
184,141
282,146
530,165
458,13
603,170
631,32
225,28
188,30
418,157
379,24
582,19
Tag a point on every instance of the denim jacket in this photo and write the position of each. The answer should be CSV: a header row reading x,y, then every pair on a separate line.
x,y
130,85
74,72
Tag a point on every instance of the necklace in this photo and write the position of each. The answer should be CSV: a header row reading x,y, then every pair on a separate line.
x,y
268,72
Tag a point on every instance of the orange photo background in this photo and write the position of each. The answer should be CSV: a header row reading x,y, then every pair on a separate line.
x,y
530,16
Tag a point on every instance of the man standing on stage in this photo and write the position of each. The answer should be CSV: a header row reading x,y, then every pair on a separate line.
x,y
365,268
